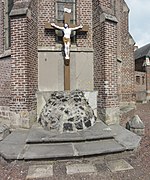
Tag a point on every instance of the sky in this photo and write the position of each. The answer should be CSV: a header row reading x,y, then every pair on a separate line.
x,y
139,21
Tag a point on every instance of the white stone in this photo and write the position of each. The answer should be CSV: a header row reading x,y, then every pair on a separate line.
x,y
80,168
118,165
40,171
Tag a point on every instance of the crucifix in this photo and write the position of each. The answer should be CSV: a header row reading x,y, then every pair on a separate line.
x,y
67,28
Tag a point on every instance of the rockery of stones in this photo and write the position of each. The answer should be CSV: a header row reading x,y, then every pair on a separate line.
x,y
67,112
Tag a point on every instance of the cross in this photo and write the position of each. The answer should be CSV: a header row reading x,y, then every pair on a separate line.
x,y
67,19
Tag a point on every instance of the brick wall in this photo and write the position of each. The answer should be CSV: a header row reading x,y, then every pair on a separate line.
x,y
105,64
24,62
1,26
32,55
84,17
46,13
125,55
106,3
19,78
127,88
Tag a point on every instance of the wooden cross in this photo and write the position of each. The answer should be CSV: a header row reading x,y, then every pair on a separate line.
x,y
67,19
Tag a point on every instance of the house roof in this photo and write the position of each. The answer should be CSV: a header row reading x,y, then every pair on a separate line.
x,y
142,52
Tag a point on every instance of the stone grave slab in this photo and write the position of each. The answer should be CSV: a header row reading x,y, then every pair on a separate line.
x,y
80,168
40,171
118,165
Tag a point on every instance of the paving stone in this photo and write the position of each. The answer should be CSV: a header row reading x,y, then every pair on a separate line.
x,y
80,168
128,139
97,147
47,151
40,171
118,165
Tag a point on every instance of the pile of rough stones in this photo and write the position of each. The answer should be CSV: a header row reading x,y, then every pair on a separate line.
x,y
67,112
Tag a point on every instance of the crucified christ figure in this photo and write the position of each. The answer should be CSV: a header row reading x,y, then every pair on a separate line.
x,y
66,38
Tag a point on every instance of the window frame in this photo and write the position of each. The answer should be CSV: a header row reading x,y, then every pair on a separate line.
x,y
59,32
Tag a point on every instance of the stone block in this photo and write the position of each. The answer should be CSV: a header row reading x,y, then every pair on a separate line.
x,y
80,168
23,119
118,165
4,131
40,171
109,115
136,125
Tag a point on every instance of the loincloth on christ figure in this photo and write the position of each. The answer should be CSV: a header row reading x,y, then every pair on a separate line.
x,y
66,40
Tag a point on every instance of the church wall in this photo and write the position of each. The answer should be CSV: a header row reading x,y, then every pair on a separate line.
x,y
125,56
46,13
105,63
24,64
107,49
33,54
1,26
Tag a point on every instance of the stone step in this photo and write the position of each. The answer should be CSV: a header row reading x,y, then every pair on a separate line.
x,y
66,150
97,132
14,146
125,137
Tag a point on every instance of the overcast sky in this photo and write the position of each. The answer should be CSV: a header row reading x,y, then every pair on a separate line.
x,y
139,21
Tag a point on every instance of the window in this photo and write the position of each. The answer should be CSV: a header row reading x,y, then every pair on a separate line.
x,y
138,80
8,7
60,5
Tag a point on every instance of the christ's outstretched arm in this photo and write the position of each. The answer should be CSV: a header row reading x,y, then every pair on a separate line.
x,y
58,27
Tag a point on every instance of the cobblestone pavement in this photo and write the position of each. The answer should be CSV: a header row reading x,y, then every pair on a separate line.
x,y
139,160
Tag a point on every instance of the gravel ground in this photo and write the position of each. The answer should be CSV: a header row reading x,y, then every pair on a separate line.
x,y
140,160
